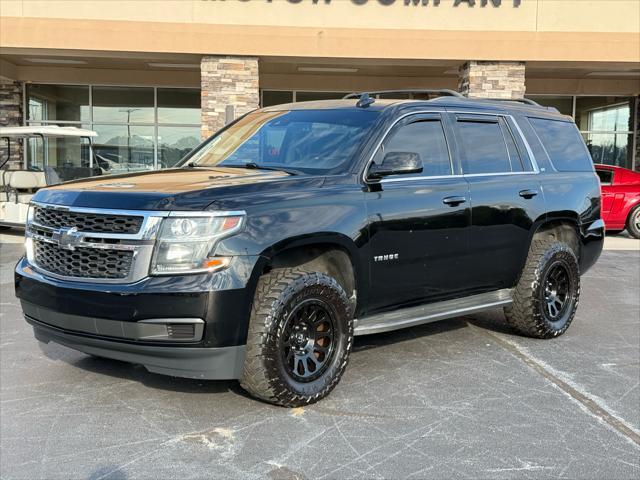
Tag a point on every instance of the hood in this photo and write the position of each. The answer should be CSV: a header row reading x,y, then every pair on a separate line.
x,y
179,189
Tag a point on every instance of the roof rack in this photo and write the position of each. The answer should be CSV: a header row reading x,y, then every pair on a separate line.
x,y
527,101
442,91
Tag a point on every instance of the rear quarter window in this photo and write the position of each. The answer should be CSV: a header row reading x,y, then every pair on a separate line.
x,y
564,145
606,176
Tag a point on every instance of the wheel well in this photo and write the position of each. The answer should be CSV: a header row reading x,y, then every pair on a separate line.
x,y
329,259
563,231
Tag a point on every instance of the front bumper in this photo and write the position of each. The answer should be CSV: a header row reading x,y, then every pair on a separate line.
x,y
222,300
137,322
190,362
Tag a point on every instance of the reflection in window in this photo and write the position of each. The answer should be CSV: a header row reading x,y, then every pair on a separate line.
x,y
563,145
426,138
61,159
123,148
175,142
309,141
604,114
123,104
67,103
609,148
484,147
179,105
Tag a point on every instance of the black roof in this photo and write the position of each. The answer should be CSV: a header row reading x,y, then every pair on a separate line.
x,y
444,101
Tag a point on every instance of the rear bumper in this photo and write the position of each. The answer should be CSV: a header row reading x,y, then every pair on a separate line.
x,y
223,363
592,242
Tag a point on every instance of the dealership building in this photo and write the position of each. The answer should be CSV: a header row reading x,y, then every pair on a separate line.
x,y
153,77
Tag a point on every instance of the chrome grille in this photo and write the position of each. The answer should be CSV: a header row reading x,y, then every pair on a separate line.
x,y
87,222
83,262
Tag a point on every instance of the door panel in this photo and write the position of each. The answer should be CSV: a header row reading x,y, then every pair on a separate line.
x,y
501,227
506,199
427,238
418,242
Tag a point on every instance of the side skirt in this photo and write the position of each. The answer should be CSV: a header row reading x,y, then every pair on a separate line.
x,y
432,312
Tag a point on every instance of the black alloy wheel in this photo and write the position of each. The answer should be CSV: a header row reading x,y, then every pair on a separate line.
x,y
557,291
307,344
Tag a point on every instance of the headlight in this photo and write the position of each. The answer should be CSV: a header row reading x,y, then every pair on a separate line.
x,y
187,244
28,241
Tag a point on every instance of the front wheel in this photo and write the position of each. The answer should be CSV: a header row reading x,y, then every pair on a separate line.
x,y
546,297
633,222
299,340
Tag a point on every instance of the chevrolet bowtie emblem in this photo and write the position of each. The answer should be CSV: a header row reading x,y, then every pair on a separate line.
x,y
67,238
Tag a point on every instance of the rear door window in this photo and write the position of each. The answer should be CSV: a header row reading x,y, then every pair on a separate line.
x,y
484,147
563,144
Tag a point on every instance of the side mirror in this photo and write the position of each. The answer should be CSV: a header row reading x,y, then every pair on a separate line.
x,y
396,163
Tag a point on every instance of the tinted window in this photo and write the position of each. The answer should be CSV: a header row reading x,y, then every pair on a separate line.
x,y
309,141
485,150
514,155
563,144
58,102
426,138
606,176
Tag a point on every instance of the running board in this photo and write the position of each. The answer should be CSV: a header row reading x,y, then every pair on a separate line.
x,y
409,317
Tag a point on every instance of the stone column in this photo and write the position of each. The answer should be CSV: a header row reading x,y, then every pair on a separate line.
x,y
481,79
11,116
227,82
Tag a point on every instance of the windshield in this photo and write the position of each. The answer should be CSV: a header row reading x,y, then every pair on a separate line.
x,y
307,141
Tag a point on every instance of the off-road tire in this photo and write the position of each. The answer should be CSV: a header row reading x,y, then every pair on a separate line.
x,y
528,314
278,294
632,227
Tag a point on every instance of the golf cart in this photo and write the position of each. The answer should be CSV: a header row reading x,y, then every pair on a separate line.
x,y
17,187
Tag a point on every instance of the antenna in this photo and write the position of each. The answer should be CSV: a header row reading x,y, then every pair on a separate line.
x,y
365,100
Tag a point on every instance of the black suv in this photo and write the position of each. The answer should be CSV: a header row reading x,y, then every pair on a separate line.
x,y
299,226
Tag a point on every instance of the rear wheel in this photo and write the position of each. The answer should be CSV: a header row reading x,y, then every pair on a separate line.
x,y
300,337
546,297
633,222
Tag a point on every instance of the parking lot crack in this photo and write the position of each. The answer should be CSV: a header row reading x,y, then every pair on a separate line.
x,y
585,401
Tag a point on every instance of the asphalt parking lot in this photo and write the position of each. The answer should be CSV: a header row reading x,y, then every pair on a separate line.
x,y
463,398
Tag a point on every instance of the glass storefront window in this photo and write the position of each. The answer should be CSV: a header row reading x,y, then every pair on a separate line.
x,y
174,143
604,114
273,97
124,148
564,104
123,105
179,105
309,96
609,148
68,103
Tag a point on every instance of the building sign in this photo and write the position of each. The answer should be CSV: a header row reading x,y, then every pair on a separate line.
x,y
435,3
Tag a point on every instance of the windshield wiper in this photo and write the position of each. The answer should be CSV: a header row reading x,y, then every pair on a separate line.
x,y
255,166
195,165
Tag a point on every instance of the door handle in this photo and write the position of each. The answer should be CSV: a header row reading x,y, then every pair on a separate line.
x,y
453,201
528,193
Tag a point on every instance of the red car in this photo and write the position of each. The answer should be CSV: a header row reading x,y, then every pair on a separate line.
x,y
620,199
